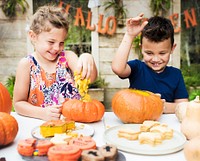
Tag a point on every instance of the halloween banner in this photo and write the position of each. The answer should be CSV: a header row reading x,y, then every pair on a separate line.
x,y
110,25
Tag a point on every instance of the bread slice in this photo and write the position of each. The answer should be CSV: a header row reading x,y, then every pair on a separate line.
x,y
166,132
129,134
150,138
148,124
60,139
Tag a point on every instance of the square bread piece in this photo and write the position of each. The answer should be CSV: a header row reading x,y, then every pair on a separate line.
x,y
150,138
129,134
148,124
166,132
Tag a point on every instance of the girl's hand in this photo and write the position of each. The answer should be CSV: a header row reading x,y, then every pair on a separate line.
x,y
86,65
52,112
135,25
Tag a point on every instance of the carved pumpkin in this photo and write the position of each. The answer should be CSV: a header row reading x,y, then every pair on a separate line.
x,y
136,106
83,111
5,99
8,128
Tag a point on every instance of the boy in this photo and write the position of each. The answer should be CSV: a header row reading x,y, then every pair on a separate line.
x,y
152,74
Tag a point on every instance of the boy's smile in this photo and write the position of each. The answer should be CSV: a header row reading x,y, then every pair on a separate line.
x,y
156,55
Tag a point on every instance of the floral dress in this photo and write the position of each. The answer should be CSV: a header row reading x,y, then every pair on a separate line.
x,y
51,89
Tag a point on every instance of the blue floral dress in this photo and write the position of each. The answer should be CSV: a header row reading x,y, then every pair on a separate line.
x,y
51,89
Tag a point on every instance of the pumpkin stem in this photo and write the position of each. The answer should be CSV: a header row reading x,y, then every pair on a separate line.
x,y
197,99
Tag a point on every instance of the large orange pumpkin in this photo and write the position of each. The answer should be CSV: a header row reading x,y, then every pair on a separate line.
x,y
5,99
8,128
136,106
83,111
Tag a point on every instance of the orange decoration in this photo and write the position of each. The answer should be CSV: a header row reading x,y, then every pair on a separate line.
x,y
5,99
190,19
8,128
67,8
100,30
114,25
136,106
174,17
60,4
89,27
79,17
80,111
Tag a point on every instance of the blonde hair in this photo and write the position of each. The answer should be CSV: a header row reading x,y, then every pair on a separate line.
x,y
47,17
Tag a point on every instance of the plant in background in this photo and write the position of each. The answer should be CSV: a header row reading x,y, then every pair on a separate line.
x,y
160,7
137,46
9,7
191,77
99,83
10,82
119,9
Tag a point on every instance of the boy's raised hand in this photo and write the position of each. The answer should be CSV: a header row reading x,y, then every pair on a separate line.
x,y
135,25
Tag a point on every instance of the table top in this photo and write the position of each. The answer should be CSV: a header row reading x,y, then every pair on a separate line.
x,y
26,125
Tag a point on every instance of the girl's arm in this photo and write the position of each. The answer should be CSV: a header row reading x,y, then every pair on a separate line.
x,y
21,92
85,64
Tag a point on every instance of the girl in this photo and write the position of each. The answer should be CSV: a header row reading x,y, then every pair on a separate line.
x,y
44,79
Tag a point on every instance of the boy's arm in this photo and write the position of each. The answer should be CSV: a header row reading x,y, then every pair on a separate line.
x,y
119,64
170,106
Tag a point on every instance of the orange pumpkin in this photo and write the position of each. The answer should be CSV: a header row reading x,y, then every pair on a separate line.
x,y
8,128
5,99
136,106
83,111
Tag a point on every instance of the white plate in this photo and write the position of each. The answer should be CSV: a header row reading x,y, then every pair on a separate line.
x,y
81,129
168,146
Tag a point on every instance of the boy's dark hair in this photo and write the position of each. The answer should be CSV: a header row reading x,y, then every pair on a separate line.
x,y
158,29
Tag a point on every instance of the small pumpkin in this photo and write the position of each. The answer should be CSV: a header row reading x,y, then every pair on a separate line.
x,y
8,128
5,99
190,125
83,111
180,110
192,149
136,106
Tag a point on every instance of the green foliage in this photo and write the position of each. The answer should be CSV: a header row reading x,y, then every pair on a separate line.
x,y
137,46
193,93
9,7
98,83
191,75
160,7
10,82
119,10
